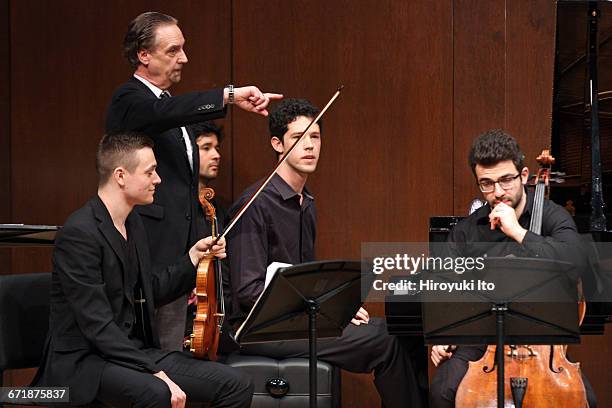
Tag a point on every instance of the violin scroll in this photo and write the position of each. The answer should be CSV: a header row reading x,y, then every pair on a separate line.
x,y
207,194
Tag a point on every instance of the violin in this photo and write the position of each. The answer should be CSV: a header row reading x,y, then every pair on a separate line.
x,y
534,376
210,312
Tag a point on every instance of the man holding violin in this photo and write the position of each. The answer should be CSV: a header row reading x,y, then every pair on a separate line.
x,y
497,164
208,137
103,342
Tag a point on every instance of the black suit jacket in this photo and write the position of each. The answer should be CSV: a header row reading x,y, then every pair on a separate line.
x,y
92,311
171,220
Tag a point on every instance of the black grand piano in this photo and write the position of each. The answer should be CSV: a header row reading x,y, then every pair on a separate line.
x,y
581,142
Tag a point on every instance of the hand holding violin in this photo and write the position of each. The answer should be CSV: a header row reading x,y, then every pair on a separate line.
x,y
205,246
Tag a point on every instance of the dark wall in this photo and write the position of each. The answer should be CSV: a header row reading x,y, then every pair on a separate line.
x,y
62,77
377,180
422,79
5,112
503,64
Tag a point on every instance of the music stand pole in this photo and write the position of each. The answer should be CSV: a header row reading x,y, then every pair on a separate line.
x,y
305,301
313,309
500,311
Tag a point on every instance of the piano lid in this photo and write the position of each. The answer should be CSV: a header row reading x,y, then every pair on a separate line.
x,y
22,235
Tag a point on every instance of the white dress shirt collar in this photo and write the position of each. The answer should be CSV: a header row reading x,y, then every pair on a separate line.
x,y
149,85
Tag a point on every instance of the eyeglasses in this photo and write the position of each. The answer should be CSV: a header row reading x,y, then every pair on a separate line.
x,y
506,182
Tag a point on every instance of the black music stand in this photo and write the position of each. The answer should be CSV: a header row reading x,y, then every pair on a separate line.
x,y
21,234
536,304
306,301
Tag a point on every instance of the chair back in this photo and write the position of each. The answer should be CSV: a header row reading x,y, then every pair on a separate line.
x,y
24,319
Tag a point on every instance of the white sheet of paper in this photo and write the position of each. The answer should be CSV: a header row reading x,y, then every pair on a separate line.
x,y
271,270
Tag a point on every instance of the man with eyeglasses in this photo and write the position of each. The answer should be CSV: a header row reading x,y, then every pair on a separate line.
x,y
497,164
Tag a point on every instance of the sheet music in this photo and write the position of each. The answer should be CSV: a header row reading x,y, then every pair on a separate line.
x,y
270,272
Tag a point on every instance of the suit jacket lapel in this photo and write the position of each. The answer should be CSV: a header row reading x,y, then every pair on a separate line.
x,y
177,134
112,236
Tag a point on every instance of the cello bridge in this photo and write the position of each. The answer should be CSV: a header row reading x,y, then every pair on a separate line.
x,y
521,351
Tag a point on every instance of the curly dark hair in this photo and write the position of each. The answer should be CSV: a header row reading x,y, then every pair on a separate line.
x,y
203,128
117,149
494,146
287,111
141,34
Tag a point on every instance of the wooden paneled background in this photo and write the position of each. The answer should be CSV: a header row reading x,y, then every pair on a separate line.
x,y
422,79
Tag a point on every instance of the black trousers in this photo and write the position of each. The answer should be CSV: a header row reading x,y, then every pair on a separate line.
x,y
202,381
361,349
446,381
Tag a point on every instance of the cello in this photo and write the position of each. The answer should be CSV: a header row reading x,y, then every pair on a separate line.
x,y
210,312
534,375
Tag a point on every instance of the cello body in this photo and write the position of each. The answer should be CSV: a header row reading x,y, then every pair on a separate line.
x,y
552,380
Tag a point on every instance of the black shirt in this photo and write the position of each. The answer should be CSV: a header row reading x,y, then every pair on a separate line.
x,y
275,228
138,333
559,239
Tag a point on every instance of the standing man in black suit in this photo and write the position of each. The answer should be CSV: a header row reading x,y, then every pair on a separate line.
x,y
102,343
153,45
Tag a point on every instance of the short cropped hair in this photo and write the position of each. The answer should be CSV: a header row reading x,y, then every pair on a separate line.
x,y
141,34
287,111
118,150
494,146
203,128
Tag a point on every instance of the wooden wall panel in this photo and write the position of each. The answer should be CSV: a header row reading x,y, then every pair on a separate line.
x,y
5,127
530,50
5,113
479,100
58,114
377,179
503,66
